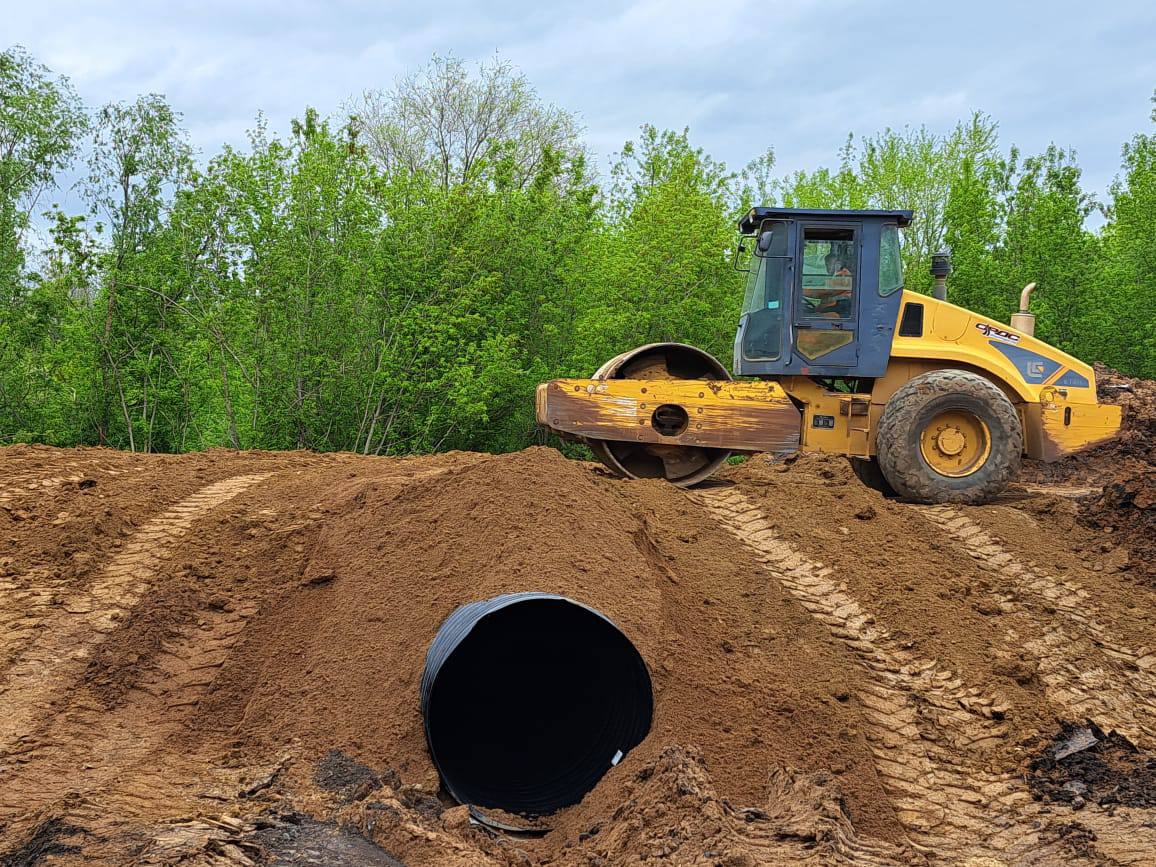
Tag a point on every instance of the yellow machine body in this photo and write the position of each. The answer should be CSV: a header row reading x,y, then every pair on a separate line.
x,y
934,402
1053,393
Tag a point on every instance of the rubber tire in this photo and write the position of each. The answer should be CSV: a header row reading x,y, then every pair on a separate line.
x,y
868,472
914,405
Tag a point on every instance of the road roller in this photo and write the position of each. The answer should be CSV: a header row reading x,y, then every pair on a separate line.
x,y
931,402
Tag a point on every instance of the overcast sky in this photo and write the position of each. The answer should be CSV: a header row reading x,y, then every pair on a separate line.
x,y
792,74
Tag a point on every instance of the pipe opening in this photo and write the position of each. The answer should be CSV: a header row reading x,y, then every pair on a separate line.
x,y
529,699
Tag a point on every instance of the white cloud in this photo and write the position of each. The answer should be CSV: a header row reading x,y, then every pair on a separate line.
x,y
743,75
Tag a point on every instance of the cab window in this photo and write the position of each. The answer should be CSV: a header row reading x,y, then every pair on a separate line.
x,y
765,288
829,269
766,294
890,261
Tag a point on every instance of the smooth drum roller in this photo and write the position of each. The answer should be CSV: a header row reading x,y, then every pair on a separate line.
x,y
929,400
683,465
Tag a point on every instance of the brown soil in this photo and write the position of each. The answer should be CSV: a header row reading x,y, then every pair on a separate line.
x,y
1115,484
215,659
1126,511
734,663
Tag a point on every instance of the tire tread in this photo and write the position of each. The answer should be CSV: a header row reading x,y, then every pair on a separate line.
x,y
905,468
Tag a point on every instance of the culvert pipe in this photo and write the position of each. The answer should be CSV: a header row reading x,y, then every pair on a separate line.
x,y
529,699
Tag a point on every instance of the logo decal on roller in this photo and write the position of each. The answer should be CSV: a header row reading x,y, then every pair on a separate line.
x,y
997,333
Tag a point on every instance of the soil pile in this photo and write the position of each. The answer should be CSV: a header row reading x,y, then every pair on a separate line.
x,y
667,811
216,659
1126,510
1120,474
739,671
1126,507
907,572
671,812
1138,397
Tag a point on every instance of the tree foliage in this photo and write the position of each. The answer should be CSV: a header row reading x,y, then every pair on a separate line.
x,y
399,280
446,123
913,169
40,121
1125,311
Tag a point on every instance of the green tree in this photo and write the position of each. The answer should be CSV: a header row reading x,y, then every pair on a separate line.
x,y
1125,307
139,156
40,122
658,269
911,169
401,280
1045,242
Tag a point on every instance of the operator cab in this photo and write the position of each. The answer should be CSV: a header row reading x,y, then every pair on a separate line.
x,y
822,292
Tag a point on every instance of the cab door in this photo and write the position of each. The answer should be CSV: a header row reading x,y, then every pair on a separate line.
x,y
827,294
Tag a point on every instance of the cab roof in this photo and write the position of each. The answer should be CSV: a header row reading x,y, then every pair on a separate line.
x,y
751,220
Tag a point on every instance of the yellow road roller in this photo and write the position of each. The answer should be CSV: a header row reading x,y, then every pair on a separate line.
x,y
930,401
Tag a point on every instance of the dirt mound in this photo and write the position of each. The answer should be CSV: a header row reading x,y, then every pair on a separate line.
x,y
1121,474
1126,511
671,812
668,811
1126,507
904,571
216,659
399,559
1138,398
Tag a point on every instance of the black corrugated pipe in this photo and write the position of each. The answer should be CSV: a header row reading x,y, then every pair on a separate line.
x,y
528,699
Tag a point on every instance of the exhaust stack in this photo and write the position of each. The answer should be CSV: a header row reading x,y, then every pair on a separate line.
x,y
1025,320
940,268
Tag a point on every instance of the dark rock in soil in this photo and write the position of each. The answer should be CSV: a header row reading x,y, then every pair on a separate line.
x,y
1082,764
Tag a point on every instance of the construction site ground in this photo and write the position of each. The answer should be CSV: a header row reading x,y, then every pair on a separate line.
x,y
214,658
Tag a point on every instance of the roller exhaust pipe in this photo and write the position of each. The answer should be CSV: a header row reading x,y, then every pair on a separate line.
x,y
529,699
1025,320
940,269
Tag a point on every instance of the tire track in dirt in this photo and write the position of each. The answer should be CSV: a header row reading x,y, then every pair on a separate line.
x,y
20,485
43,673
27,601
112,768
115,769
26,604
187,663
1120,693
31,483
30,595
841,845
1068,492
924,727
921,720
